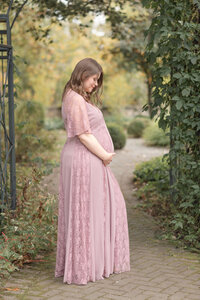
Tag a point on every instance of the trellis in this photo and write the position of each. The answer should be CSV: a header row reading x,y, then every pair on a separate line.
x,y
7,129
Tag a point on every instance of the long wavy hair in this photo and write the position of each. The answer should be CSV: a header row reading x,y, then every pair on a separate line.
x,y
84,69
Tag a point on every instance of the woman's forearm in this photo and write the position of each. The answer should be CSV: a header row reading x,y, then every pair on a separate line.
x,y
90,141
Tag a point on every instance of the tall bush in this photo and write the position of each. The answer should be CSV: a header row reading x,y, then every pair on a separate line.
x,y
155,136
136,128
31,228
117,134
31,137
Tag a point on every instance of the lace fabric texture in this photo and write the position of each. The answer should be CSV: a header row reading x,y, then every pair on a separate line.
x,y
79,263
74,113
92,240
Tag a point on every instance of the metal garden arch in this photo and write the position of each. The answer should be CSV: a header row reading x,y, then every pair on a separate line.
x,y
7,128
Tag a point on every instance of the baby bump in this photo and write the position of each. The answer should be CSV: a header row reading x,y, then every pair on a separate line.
x,y
104,138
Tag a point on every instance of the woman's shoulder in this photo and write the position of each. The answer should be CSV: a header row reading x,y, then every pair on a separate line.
x,y
72,94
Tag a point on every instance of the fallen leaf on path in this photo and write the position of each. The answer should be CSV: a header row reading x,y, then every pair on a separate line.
x,y
11,289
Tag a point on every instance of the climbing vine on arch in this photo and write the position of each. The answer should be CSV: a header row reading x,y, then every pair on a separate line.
x,y
174,52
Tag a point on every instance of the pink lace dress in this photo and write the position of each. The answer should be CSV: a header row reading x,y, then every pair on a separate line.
x,y
92,239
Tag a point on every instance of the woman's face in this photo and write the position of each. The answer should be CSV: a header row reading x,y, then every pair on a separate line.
x,y
90,82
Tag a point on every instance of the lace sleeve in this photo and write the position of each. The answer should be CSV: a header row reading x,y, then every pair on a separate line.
x,y
75,113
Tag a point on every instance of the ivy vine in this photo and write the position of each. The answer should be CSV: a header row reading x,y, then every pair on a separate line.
x,y
174,51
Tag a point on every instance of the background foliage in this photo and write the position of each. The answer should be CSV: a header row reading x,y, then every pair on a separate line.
x,y
50,37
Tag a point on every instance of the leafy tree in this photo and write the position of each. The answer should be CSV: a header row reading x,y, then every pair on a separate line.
x,y
58,11
34,30
130,45
44,67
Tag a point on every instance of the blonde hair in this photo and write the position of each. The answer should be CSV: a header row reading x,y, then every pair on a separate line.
x,y
84,69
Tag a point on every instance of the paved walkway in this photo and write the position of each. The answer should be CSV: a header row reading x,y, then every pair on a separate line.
x,y
158,269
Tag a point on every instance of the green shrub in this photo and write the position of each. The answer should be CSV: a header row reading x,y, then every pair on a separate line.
x,y
152,179
30,113
137,126
117,119
117,134
155,136
153,170
153,188
31,137
54,124
31,228
29,146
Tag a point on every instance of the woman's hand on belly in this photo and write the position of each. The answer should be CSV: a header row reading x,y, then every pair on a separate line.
x,y
109,158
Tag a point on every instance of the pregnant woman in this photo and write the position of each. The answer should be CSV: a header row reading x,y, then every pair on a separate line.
x,y
92,239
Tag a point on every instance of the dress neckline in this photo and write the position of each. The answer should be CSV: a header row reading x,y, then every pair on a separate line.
x,y
92,105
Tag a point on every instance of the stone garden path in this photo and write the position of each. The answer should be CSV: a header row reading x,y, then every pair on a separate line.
x,y
159,270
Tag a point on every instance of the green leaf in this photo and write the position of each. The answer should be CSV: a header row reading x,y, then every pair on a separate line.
x,y
145,107
194,60
195,186
175,98
164,71
178,224
186,204
186,92
177,75
179,104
